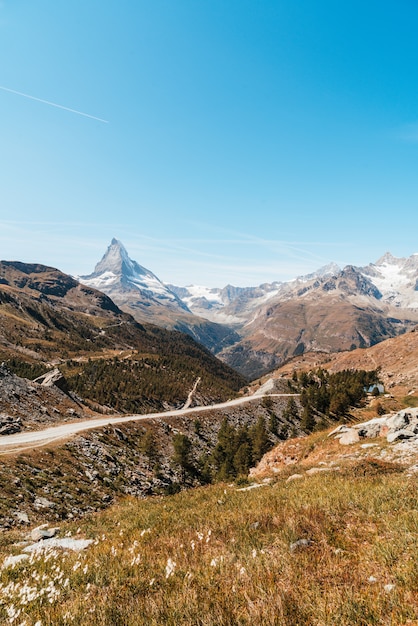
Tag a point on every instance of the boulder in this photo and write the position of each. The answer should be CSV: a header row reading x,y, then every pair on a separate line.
x,y
398,421
398,435
349,437
40,533
53,378
370,430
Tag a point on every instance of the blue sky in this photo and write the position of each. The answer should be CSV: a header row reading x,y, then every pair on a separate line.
x,y
241,141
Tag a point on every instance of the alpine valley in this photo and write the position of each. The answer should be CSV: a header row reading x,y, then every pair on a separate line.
x,y
146,481
257,329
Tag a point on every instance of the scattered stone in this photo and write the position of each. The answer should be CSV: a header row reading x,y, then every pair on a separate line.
x,y
12,560
43,503
317,470
253,486
22,517
372,579
300,544
39,533
398,427
398,421
388,588
294,477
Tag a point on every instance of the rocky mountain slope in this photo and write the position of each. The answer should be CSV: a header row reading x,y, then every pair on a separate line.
x,y
356,307
139,292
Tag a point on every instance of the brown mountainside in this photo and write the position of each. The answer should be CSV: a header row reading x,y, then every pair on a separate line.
x,y
330,315
396,357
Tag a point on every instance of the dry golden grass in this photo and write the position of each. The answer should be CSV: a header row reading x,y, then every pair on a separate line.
x,y
216,556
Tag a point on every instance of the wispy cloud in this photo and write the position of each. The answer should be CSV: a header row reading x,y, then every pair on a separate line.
x,y
53,104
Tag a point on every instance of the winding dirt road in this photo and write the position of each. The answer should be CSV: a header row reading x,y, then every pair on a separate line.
x,y
37,438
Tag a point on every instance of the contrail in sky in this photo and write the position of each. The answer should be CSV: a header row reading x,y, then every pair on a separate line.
x,y
53,104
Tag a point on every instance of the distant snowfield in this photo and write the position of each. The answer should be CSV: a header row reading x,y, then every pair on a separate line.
x,y
396,283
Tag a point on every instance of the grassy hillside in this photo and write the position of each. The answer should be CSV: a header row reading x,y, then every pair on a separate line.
x,y
317,552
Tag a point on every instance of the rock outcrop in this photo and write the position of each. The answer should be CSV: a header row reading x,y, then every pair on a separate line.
x,y
397,427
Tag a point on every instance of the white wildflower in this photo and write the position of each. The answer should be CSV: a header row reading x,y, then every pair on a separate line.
x,y
170,567
136,559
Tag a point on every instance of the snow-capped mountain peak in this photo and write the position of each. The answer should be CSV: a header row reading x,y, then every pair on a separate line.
x,y
116,260
396,279
116,272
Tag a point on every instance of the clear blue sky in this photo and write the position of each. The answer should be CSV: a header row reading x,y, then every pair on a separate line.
x,y
247,141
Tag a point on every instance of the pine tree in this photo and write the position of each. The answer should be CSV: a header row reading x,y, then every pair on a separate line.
x,y
259,439
182,453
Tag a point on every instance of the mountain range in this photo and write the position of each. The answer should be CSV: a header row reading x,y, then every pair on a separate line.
x,y
256,329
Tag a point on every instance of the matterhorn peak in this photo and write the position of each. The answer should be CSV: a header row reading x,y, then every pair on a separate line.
x,y
116,274
115,260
